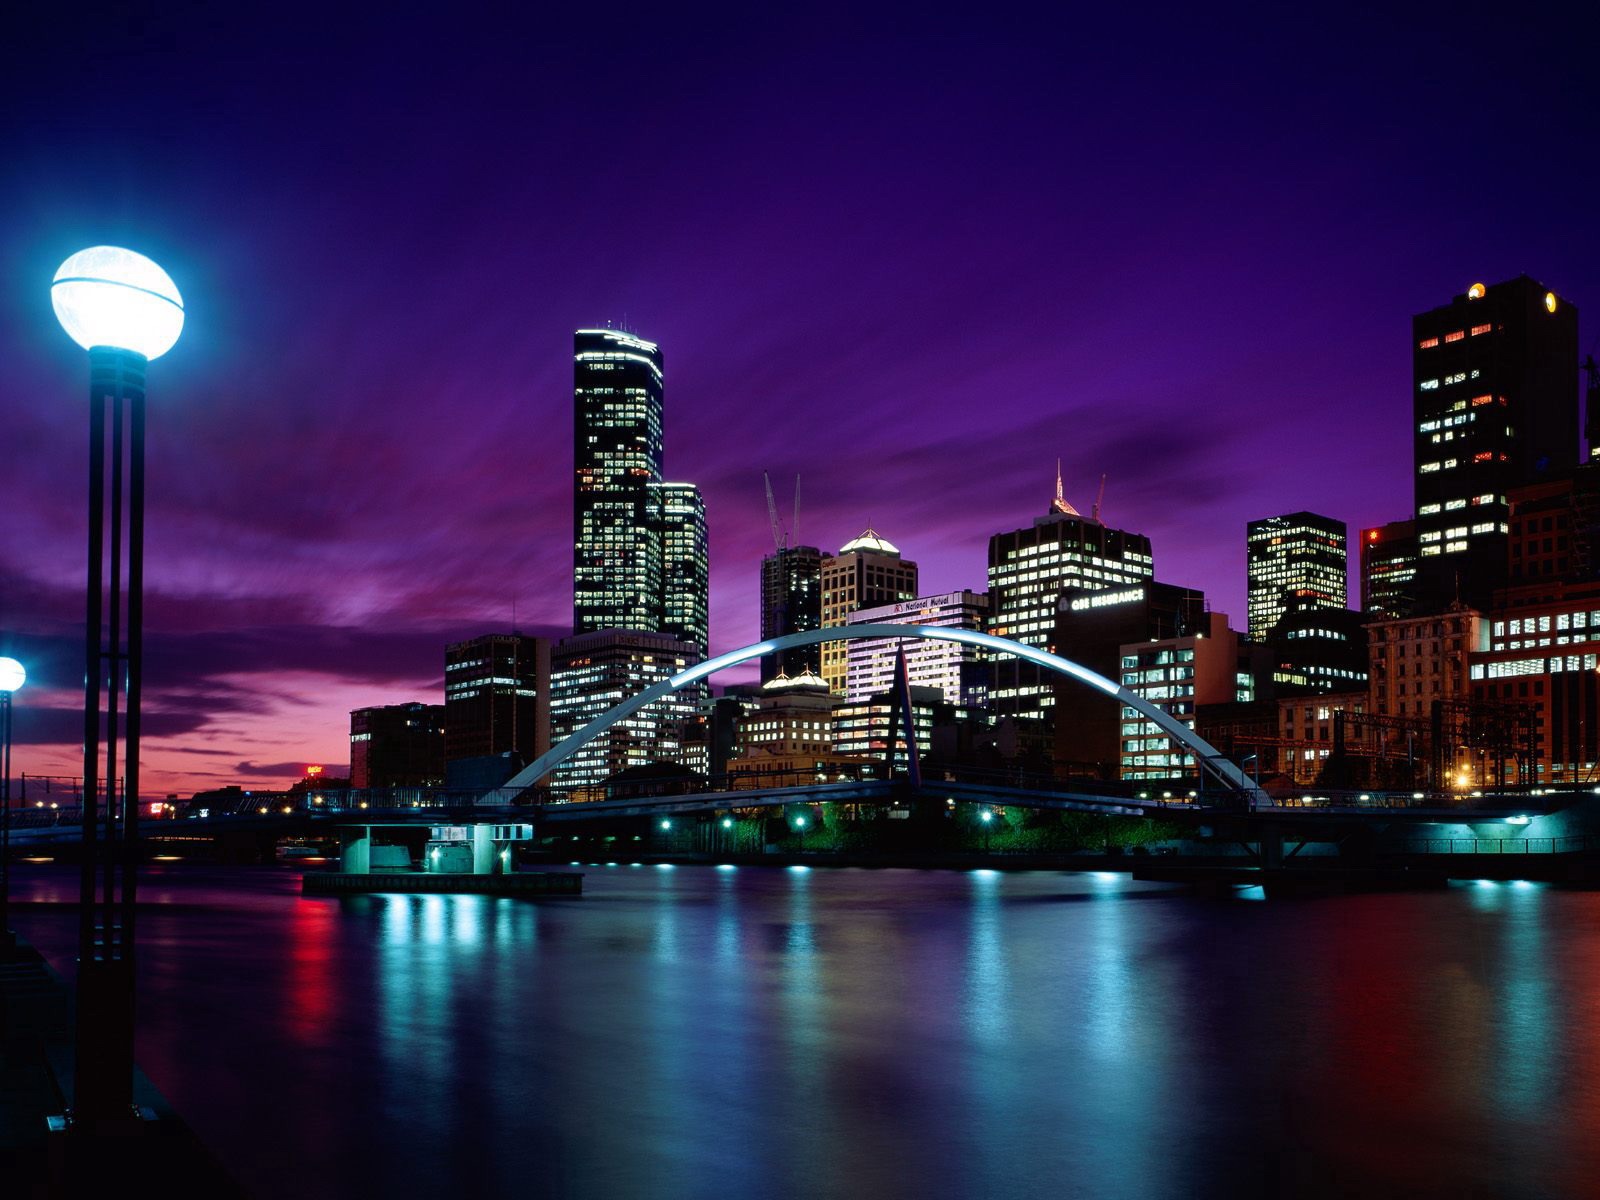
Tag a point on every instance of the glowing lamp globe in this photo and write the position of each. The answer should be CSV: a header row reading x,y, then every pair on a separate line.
x,y
108,296
12,676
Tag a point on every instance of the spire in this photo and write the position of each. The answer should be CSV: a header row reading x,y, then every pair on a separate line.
x,y
1059,504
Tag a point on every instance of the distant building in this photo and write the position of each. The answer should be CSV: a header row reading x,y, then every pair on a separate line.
x,y
677,516
788,738
867,572
870,662
1318,650
1092,626
590,673
1028,570
1293,563
791,602
1306,732
497,698
1176,675
1389,570
862,728
1495,406
397,745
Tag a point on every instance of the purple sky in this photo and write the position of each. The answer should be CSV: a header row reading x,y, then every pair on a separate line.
x,y
915,261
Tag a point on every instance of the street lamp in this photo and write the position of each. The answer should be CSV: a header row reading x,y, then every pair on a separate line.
x,y
12,677
124,310
987,817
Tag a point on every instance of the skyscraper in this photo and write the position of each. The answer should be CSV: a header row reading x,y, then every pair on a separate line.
x,y
1028,569
677,517
1389,570
497,698
617,455
1495,405
397,745
867,571
791,602
1293,563
870,662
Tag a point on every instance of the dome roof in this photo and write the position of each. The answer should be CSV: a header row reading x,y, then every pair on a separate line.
x,y
870,541
784,683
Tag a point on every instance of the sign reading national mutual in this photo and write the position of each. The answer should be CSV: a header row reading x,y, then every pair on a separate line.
x,y
1105,599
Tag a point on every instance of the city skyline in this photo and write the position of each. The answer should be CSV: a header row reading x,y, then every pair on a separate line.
x,y
340,478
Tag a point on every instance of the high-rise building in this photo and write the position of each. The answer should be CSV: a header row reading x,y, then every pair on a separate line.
x,y
1029,568
617,455
870,662
1389,570
1495,406
867,571
497,698
1293,563
867,728
397,745
591,673
677,516
791,602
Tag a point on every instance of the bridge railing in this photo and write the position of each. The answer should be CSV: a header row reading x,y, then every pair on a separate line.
x,y
1501,846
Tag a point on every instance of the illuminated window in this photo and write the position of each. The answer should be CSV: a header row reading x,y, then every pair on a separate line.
x,y
1456,336
1477,329
1427,343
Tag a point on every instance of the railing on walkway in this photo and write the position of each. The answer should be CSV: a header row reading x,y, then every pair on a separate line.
x,y
1501,846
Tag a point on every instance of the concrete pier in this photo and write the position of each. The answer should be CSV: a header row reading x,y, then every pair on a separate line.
x,y
523,883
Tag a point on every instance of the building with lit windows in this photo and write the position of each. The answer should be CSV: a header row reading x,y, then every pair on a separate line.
x,y
870,662
1306,726
677,517
788,737
862,728
1029,568
791,602
1092,626
617,392
1318,650
591,673
497,698
1295,562
397,745
1389,570
1177,675
1415,661
867,572
1495,406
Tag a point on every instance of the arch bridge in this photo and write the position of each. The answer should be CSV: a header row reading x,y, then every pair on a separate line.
x,y
1210,760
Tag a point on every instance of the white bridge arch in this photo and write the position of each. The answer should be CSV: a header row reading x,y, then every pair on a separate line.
x,y
1210,760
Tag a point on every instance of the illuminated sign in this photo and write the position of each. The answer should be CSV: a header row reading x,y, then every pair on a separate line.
x,y
1106,599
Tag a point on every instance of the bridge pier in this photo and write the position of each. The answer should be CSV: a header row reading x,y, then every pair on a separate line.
x,y
355,849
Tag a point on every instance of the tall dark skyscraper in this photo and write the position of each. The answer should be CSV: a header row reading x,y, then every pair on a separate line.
x,y
640,556
1293,563
1495,401
791,602
616,566
1389,570
677,516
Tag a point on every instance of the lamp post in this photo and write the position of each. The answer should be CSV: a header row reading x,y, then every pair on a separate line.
x,y
124,310
12,677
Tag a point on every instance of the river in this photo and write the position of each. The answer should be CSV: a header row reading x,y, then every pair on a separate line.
x,y
772,1032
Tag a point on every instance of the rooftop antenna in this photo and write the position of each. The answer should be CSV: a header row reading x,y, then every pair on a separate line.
x,y
780,536
1099,498
1059,504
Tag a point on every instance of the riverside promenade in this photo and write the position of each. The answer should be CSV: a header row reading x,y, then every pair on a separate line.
x,y
40,1157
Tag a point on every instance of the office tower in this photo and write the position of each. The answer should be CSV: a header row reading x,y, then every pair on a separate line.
x,y
791,602
1092,626
1389,570
1319,650
870,662
617,454
1177,675
866,728
677,517
1028,570
590,673
786,738
1294,563
1495,406
496,699
397,745
866,572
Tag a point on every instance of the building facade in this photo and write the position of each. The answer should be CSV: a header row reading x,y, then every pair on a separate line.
x,y
867,572
1413,662
791,602
1177,675
870,662
1293,563
397,745
1389,570
497,697
1495,402
677,516
862,729
591,673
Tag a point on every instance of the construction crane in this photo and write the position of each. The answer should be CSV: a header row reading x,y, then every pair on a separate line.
x,y
1099,499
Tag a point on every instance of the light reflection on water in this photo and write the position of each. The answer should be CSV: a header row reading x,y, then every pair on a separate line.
x,y
765,1032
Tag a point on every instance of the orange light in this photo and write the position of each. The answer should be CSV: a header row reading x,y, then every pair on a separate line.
x,y
1476,291
1372,535
1550,301
310,771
